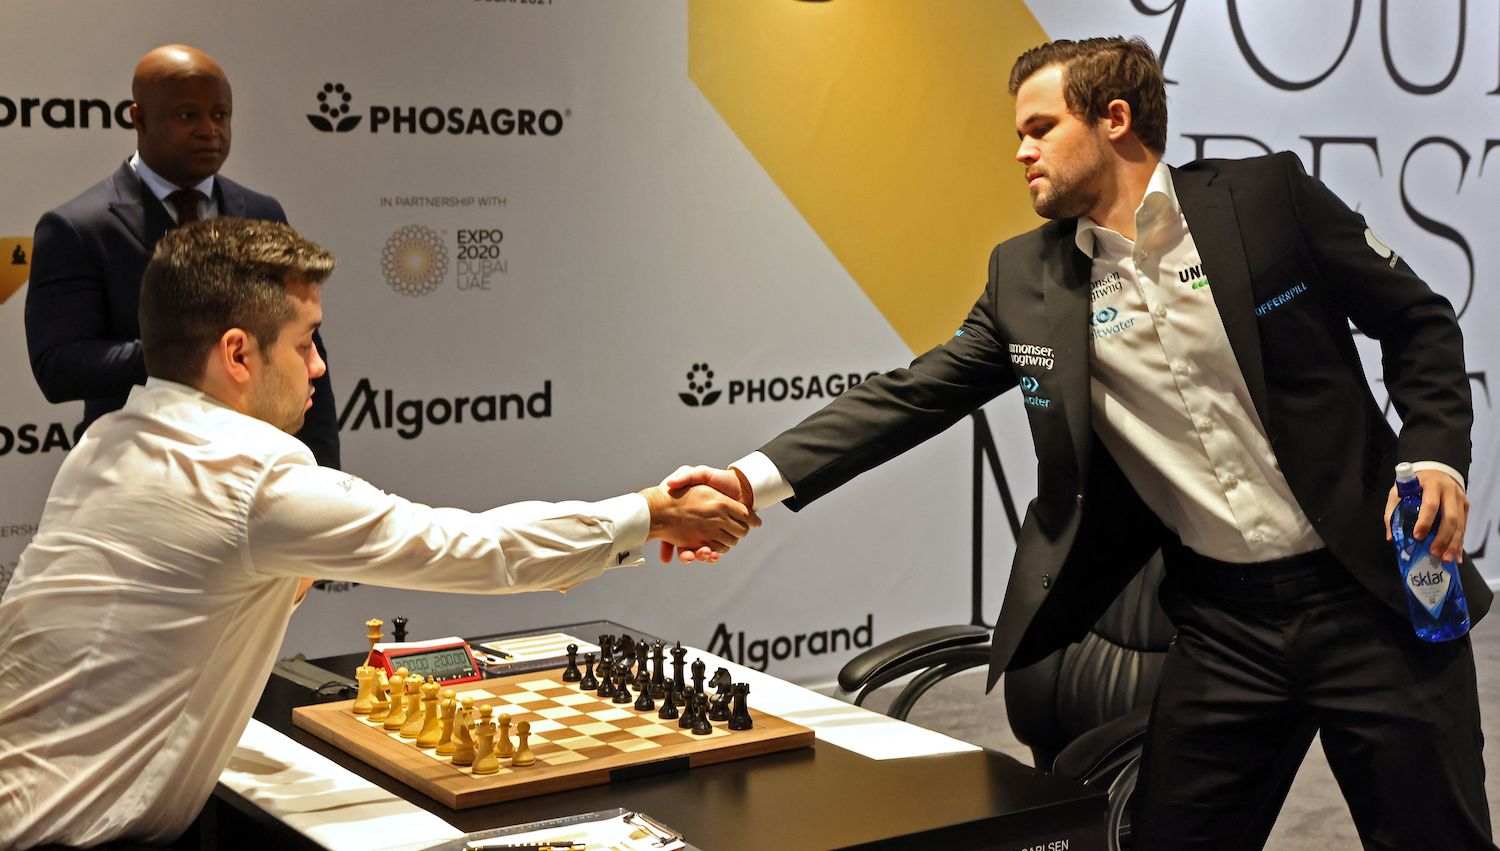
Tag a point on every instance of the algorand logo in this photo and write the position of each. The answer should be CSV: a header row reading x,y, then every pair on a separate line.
x,y
335,115
65,113
415,260
333,103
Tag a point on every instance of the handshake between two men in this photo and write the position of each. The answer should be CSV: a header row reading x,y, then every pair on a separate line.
x,y
704,512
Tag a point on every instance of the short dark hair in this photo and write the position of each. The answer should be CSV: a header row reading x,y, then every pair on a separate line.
x,y
210,276
1099,70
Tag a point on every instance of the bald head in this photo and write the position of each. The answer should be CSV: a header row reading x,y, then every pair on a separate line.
x,y
181,113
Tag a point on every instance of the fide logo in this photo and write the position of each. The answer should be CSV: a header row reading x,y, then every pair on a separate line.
x,y
700,381
414,261
333,104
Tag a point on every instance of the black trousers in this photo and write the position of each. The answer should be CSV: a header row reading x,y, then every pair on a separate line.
x,y
1266,656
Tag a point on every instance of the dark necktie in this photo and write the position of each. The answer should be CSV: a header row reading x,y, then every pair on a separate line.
x,y
186,201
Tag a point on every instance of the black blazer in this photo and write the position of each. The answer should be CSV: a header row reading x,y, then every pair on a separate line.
x,y
82,328
1262,227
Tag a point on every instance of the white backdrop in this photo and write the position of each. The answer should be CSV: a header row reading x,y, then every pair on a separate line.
x,y
633,236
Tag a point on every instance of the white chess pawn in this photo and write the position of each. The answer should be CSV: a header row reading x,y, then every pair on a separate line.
x,y
523,754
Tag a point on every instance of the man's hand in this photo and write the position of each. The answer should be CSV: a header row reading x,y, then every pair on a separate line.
x,y
1439,492
699,520
731,483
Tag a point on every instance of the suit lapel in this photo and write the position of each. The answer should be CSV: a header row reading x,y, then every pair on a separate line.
x,y
1209,210
1066,289
231,199
141,214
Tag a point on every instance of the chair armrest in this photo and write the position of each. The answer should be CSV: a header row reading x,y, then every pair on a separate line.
x,y
903,648
1100,753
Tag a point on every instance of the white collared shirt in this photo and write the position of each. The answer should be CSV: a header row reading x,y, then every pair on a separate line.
x,y
147,612
208,208
1169,401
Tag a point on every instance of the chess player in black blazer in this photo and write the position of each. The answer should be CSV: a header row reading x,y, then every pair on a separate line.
x,y
1290,267
89,254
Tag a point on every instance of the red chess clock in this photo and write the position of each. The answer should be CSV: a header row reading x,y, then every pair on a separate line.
x,y
446,660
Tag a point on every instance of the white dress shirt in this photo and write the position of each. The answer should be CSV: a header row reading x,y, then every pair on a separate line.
x,y
147,612
1168,399
208,208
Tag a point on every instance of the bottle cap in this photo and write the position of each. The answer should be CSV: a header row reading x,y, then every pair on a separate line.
x,y
1404,472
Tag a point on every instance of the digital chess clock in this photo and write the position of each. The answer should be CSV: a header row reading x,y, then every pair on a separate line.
x,y
446,660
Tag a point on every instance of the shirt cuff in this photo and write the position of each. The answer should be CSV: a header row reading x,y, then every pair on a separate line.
x,y
766,482
1440,466
632,523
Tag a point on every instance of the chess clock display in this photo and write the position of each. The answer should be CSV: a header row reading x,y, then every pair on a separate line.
x,y
446,660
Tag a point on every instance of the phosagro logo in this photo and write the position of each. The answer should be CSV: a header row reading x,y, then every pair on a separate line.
x,y
15,264
34,438
333,103
335,115
65,113
778,388
758,653
414,261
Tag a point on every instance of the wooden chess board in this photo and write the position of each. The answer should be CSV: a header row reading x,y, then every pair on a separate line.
x,y
579,740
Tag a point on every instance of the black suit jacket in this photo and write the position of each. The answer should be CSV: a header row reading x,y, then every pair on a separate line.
x,y
82,326
1262,227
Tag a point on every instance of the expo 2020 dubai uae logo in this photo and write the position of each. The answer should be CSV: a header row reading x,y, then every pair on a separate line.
x,y
414,261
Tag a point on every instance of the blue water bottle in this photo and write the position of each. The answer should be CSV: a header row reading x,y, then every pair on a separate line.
x,y
1434,594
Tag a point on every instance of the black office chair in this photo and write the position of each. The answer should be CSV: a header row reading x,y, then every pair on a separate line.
x,y
1081,710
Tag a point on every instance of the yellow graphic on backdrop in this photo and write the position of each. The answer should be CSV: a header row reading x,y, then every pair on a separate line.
x,y
15,264
888,125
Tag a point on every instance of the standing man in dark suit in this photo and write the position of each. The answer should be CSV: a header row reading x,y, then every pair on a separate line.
x,y
1181,338
89,254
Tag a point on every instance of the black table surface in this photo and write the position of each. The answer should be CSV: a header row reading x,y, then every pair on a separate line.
x,y
812,798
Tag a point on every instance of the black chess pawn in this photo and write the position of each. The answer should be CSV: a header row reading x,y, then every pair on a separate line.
x,y
701,726
589,681
719,709
739,717
606,688
18,257
398,629
668,709
658,671
571,674
689,711
644,703
622,690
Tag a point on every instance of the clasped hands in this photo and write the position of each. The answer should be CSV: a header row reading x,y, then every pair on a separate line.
x,y
700,513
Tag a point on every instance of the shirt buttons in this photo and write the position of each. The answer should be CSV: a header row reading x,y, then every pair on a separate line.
x,y
1180,367
1230,482
1161,311
1206,426
1257,536
1140,257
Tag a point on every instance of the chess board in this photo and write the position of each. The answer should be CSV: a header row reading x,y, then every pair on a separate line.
x,y
579,740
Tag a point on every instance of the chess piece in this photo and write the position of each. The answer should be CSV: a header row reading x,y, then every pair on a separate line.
x,y
625,646
642,673
503,748
413,725
658,671
463,733
398,629
606,688
668,709
432,721
523,755
449,709
689,710
381,707
699,671
589,682
679,659
606,650
373,635
485,761
571,674
18,257
365,700
719,709
397,715
644,703
739,717
701,727
622,688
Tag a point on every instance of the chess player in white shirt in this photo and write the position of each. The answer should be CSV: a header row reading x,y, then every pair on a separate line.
x,y
148,610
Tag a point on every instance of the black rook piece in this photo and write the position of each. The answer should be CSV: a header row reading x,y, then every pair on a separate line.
x,y
571,674
739,717
398,629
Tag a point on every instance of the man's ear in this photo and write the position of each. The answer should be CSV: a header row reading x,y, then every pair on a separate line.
x,y
1117,119
135,115
235,350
